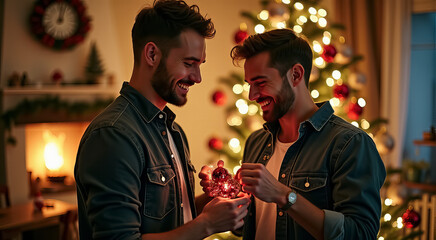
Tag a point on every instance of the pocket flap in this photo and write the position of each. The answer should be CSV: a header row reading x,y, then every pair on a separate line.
x,y
161,175
308,182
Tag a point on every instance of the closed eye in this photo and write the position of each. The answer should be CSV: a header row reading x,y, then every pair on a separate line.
x,y
188,64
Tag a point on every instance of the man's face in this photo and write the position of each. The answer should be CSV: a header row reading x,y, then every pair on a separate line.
x,y
268,88
181,69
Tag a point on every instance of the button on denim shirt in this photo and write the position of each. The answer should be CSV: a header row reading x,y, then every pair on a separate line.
x,y
335,166
127,182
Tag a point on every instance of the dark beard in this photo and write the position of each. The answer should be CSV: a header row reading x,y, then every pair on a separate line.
x,y
284,101
161,83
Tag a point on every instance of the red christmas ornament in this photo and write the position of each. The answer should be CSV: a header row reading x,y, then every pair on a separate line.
x,y
223,185
354,111
57,76
219,98
328,53
411,218
215,144
240,36
341,91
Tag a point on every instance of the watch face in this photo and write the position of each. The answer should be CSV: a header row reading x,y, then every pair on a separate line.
x,y
292,197
60,20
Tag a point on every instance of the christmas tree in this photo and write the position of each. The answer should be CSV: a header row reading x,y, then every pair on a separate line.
x,y
94,67
331,79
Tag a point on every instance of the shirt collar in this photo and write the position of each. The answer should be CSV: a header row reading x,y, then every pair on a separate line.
x,y
318,119
145,108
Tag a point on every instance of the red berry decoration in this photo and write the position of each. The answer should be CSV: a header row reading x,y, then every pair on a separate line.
x,y
215,144
411,218
341,91
223,185
328,53
219,98
354,111
240,36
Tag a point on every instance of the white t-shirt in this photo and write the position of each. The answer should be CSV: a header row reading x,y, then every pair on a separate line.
x,y
266,213
187,214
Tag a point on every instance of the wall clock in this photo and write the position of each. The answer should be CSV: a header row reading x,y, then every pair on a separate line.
x,y
60,24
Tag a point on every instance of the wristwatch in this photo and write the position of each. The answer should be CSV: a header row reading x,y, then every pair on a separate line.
x,y
291,198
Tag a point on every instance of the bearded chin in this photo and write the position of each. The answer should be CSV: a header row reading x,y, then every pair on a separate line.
x,y
161,84
285,101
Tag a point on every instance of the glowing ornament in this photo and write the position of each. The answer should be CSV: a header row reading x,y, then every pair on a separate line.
x,y
328,53
341,91
354,111
240,36
357,81
219,98
215,144
411,218
223,184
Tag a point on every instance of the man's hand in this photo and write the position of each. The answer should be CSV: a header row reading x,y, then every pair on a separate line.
x,y
205,176
257,180
223,214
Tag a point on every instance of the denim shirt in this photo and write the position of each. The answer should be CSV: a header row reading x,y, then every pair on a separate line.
x,y
127,183
335,166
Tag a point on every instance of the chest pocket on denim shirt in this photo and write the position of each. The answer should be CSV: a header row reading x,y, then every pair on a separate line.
x,y
160,193
312,186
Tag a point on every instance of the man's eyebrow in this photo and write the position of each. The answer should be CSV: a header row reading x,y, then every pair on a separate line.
x,y
253,79
194,59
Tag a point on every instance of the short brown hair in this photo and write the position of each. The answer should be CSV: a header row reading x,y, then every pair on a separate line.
x,y
163,23
285,48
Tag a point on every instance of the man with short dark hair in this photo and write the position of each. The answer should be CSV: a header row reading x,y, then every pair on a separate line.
x,y
134,174
313,175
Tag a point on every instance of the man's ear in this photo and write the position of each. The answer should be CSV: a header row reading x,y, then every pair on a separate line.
x,y
151,54
296,74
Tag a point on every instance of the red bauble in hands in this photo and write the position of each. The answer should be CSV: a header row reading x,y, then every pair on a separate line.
x,y
223,185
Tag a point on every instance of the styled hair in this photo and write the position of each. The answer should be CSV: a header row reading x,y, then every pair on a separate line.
x,y
285,48
164,22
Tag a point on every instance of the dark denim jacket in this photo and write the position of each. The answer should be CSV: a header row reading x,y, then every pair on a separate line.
x,y
126,179
335,166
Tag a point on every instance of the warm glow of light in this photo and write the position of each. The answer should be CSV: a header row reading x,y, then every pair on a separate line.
x,y
322,22
322,12
327,34
298,6
303,19
341,39
53,158
319,62
313,18
387,217
330,82
234,143
326,40
388,201
298,29
354,123
312,10
259,28
399,223
381,238
336,74
237,88
314,94
364,124
235,169
243,109
286,1
246,87
317,47
263,15
243,26
234,120
252,109
361,102
335,102
281,25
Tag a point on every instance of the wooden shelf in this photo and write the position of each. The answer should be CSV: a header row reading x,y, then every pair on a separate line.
x,y
421,186
55,89
425,143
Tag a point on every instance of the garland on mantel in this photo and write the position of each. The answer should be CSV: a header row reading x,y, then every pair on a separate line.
x,y
49,103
